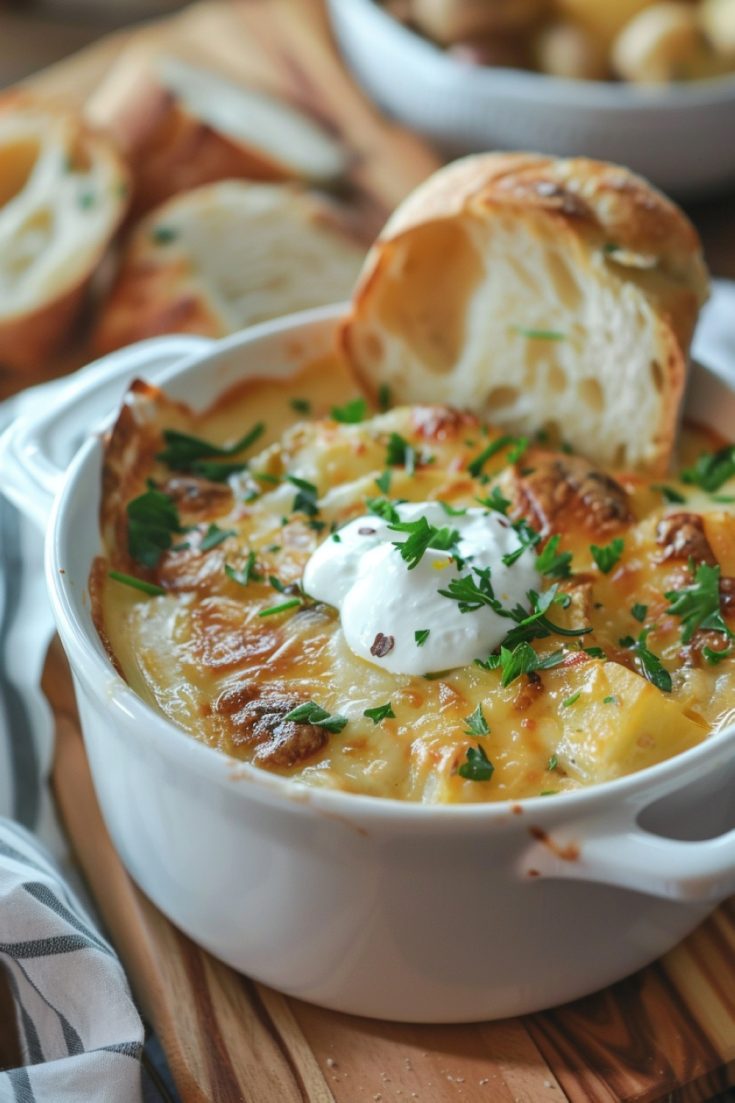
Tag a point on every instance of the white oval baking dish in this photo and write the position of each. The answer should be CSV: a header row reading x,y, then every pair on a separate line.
x,y
372,906
675,136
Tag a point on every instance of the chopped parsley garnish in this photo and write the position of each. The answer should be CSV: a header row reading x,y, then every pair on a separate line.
x,y
670,494
626,641
162,235
337,538
277,584
528,538
639,612
282,608
698,605
519,446
594,652
399,453
496,501
381,712
306,499
712,469
610,247
422,536
477,767
383,482
652,667
476,723
727,499
536,625
556,565
351,413
421,636
381,507
184,452
451,511
611,700
522,659
713,657
472,595
568,701
383,396
149,588
214,536
552,763
539,334
311,713
301,405
246,574
317,526
152,520
608,555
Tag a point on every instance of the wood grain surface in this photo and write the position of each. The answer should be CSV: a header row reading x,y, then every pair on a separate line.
x,y
668,1033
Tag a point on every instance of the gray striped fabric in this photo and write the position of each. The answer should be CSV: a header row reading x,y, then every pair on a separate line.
x,y
81,1034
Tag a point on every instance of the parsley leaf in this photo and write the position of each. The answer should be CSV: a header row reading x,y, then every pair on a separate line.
x,y
472,595
381,507
520,444
184,452
247,574
522,659
496,501
152,519
399,453
282,608
149,588
536,625
698,605
528,538
553,564
712,469
214,536
594,652
383,396
311,713
568,701
539,334
478,766
476,723
639,612
608,555
351,413
383,482
306,499
670,494
301,405
713,657
652,667
421,636
381,712
552,763
422,537
450,510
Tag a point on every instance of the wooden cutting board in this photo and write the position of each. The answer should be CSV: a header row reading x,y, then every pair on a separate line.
x,y
667,1033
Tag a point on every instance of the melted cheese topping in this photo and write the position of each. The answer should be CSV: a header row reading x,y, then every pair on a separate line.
x,y
203,654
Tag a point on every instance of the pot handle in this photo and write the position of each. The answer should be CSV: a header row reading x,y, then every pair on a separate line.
x,y
56,418
617,850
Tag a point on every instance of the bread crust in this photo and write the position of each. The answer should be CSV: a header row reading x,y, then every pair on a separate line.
x,y
585,206
32,333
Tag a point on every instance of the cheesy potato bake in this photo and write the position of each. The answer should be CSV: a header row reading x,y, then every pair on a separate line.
x,y
613,652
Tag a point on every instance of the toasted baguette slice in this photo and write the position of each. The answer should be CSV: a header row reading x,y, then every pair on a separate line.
x,y
538,293
182,126
225,256
63,192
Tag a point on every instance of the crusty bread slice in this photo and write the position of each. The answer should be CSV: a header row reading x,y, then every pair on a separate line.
x,y
182,126
538,293
63,192
225,256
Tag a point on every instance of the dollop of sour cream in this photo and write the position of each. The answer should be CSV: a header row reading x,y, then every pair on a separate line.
x,y
383,604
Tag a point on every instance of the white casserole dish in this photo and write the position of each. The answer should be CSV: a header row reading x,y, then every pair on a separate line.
x,y
676,136
372,906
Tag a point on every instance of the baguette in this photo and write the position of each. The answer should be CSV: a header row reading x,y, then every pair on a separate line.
x,y
63,192
542,294
181,126
225,256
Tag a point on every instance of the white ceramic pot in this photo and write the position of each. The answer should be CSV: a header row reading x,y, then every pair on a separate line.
x,y
678,136
372,906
